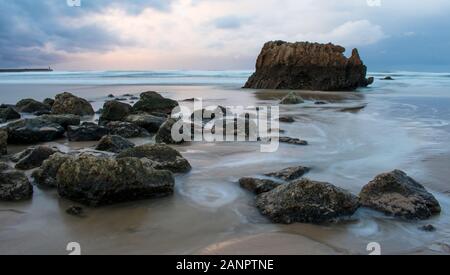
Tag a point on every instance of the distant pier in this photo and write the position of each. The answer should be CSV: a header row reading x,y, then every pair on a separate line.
x,y
26,70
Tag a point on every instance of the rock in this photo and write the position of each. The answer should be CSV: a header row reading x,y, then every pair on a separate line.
x,y
111,96
307,66
150,123
320,103
114,144
3,141
46,174
291,173
115,111
164,134
49,102
287,119
67,103
154,102
41,113
294,141
97,181
258,186
126,129
63,120
306,201
163,156
87,131
291,99
33,130
8,113
121,99
14,186
33,157
76,211
370,80
428,228
398,195
388,78
31,106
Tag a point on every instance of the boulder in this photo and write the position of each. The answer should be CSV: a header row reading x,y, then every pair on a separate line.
x,y
31,106
291,173
126,129
63,120
398,195
49,102
3,141
153,102
115,111
67,103
388,78
150,123
33,157
14,185
46,174
293,141
258,186
287,119
87,131
291,99
162,156
97,181
307,66
114,144
164,134
8,113
33,130
306,201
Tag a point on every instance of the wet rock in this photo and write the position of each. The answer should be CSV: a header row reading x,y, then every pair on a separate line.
x,y
126,129
307,66
33,157
294,141
287,119
388,78
115,111
87,131
291,173
164,134
46,174
3,141
97,181
49,102
111,96
67,103
114,144
76,211
33,130
398,195
150,123
14,185
8,113
428,228
306,201
63,120
31,106
162,156
291,99
258,186
320,103
154,102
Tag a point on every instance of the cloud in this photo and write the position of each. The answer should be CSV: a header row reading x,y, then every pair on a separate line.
x,y
229,22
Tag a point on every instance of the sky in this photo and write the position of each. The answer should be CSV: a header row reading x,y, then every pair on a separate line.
x,y
218,34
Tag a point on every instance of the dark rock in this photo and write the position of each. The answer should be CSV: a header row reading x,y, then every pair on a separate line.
x,y
121,99
63,120
114,144
33,130
46,174
111,96
8,113
126,129
370,81
49,102
291,99
306,201
287,119
398,195
307,66
154,102
150,123
67,103
162,156
33,157
115,111
294,141
31,106
258,186
14,186
97,181
291,173
428,228
3,141
164,134
76,211
87,131
99,111
320,103
353,109
388,78
127,95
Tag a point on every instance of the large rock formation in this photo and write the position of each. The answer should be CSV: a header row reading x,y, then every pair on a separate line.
x,y
307,66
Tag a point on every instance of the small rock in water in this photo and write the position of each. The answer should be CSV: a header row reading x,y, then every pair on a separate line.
x,y
111,96
428,228
154,102
291,173
287,119
8,113
31,106
291,99
87,131
14,185
76,211
320,102
33,157
294,141
114,144
388,78
258,186
67,103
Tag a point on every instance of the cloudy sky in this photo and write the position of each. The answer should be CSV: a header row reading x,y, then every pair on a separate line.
x,y
218,34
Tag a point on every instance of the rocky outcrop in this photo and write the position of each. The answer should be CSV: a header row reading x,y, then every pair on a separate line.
x,y
32,106
291,173
3,142
291,99
150,123
63,120
14,185
164,134
398,195
46,174
306,201
7,113
258,186
33,157
162,156
87,131
126,129
307,66
96,181
115,111
153,102
114,144
67,103
33,130
49,102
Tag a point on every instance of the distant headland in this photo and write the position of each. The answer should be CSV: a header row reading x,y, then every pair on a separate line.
x,y
26,70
